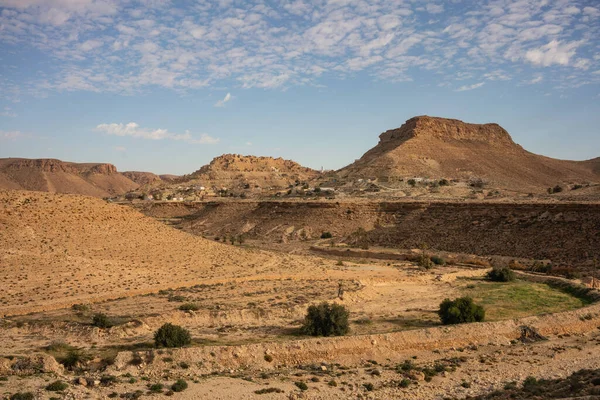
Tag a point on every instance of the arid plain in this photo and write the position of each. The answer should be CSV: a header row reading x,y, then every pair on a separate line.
x,y
236,252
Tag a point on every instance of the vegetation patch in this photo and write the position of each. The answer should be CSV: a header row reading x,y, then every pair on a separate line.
x,y
505,300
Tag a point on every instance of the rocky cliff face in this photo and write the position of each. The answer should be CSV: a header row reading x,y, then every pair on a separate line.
x,y
53,165
448,130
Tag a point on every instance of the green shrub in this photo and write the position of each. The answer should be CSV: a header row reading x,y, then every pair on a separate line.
x,y
326,235
268,390
412,182
101,321
460,311
22,396
57,386
73,358
179,386
404,383
437,260
268,358
189,307
406,366
156,388
502,274
369,387
170,335
443,182
326,320
301,385
107,380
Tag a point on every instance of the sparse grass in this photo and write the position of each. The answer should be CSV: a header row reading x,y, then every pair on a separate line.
x,y
504,300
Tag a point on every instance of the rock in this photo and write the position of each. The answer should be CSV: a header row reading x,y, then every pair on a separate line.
x,y
81,381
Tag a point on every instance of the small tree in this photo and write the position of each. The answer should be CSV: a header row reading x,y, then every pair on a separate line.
x,y
460,311
326,320
101,321
424,259
502,274
170,335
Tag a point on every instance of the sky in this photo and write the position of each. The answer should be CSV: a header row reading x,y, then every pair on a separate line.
x,y
165,86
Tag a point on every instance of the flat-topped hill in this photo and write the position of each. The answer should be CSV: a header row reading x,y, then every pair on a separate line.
x,y
432,147
51,175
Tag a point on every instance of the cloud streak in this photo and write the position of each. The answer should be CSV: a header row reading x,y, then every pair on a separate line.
x,y
221,103
470,87
134,130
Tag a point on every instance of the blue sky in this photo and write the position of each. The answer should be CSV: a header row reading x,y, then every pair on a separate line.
x,y
165,86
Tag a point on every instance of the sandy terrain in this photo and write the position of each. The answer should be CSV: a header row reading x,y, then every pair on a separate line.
x,y
57,251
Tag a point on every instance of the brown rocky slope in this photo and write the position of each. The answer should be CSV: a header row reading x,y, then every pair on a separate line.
x,y
142,178
431,147
50,175
231,170
58,249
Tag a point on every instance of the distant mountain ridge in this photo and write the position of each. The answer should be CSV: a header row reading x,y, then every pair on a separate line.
x,y
52,175
435,147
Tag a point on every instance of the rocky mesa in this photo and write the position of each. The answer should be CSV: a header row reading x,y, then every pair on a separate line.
x,y
51,175
431,147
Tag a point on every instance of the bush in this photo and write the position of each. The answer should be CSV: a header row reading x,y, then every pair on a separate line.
x,y
437,260
503,274
268,390
189,307
101,321
412,182
170,335
326,320
73,358
443,182
179,386
326,235
555,189
301,385
22,396
57,386
460,310
156,388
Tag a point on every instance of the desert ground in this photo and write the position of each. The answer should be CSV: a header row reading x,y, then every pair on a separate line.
x,y
67,258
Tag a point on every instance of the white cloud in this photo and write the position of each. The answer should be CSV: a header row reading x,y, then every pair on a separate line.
x,y
470,87
134,130
221,103
8,113
434,8
11,135
537,79
554,52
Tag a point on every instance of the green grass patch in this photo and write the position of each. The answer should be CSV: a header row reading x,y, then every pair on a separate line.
x,y
505,300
